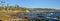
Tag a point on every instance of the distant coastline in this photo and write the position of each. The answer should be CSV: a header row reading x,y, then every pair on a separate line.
x,y
21,9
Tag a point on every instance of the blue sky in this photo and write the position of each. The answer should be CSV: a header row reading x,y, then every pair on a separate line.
x,y
35,3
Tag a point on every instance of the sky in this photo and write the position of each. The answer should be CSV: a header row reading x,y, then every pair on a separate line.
x,y
35,3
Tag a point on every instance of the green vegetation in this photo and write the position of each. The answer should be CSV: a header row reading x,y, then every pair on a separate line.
x,y
12,8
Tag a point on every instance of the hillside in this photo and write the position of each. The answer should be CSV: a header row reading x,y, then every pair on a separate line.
x,y
7,11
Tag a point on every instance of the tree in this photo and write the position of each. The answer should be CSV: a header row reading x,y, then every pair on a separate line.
x,y
2,3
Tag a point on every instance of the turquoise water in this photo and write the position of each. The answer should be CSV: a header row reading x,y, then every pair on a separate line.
x,y
34,15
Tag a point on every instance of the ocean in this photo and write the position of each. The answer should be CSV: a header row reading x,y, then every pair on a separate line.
x,y
41,15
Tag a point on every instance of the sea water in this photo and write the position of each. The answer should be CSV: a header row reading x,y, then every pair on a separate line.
x,y
34,15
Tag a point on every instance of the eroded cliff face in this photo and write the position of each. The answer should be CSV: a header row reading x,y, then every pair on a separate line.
x,y
6,12
4,17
